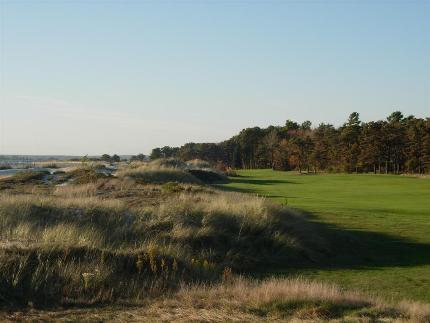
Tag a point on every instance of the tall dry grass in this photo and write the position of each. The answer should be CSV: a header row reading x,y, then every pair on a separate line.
x,y
227,229
79,191
245,300
288,299
202,233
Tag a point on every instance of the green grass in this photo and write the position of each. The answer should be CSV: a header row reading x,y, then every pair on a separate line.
x,y
379,226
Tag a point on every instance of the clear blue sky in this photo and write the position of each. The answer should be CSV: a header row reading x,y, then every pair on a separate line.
x,y
88,77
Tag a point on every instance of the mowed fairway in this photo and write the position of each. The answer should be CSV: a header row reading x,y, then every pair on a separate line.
x,y
378,226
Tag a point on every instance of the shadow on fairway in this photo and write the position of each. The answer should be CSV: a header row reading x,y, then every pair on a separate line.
x,y
356,249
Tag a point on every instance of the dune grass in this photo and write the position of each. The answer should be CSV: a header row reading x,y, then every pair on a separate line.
x,y
52,244
237,299
163,171
379,226
24,177
148,174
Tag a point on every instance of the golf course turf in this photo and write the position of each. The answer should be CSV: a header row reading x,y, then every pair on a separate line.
x,y
378,226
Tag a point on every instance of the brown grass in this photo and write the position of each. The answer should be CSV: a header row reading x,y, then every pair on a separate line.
x,y
244,300
71,191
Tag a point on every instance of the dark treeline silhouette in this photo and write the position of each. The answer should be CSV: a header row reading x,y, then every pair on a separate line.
x,y
396,145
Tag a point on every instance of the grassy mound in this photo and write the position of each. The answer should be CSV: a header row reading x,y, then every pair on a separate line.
x,y
158,175
25,177
85,175
22,179
161,171
238,231
62,250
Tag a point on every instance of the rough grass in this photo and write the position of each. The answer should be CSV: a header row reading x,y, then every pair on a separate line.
x,y
286,299
86,174
245,300
71,191
231,230
51,243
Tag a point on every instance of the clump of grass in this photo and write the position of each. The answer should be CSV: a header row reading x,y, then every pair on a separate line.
x,y
86,174
54,276
76,190
238,231
172,187
286,300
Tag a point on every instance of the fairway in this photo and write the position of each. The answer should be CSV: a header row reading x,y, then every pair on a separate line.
x,y
378,225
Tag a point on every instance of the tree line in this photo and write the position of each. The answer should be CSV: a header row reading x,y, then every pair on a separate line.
x,y
396,145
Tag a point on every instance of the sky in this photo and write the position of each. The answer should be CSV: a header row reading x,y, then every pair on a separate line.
x,y
92,77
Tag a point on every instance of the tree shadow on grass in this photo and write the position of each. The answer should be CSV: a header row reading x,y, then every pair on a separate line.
x,y
361,249
356,249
